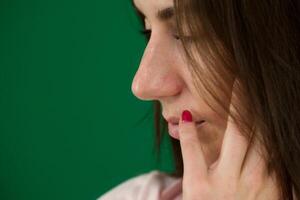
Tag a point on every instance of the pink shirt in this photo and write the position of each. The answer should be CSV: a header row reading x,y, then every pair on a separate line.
x,y
154,185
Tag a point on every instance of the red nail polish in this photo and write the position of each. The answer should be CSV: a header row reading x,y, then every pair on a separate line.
x,y
186,116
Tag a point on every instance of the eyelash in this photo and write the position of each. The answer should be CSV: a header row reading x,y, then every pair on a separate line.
x,y
147,34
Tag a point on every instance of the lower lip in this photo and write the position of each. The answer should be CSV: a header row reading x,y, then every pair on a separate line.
x,y
173,129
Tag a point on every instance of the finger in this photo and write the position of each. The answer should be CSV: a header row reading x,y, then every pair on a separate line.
x,y
234,147
254,164
192,154
254,172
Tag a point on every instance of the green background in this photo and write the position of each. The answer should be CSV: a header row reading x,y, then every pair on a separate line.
x,y
70,127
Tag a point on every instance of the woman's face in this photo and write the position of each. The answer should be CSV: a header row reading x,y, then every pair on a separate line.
x,y
164,76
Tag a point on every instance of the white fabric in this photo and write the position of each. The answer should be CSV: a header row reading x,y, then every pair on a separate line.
x,y
154,185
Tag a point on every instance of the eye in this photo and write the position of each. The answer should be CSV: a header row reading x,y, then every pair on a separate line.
x,y
186,38
176,37
147,34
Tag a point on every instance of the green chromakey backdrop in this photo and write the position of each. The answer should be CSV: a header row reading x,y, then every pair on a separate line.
x,y
70,126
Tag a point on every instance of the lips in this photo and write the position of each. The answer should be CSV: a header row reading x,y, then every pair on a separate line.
x,y
198,122
175,120
173,128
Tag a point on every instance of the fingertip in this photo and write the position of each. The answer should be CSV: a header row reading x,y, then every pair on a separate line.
x,y
186,116
186,125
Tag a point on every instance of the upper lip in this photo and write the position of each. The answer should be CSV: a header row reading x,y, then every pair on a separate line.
x,y
175,120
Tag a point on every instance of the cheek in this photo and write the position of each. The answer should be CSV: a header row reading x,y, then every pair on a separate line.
x,y
211,140
212,132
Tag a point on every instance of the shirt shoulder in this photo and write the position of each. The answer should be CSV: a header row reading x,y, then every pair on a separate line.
x,y
147,186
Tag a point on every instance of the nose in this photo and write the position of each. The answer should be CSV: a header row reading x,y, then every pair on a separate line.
x,y
158,75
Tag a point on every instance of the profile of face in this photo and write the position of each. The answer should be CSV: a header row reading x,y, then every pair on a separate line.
x,y
163,75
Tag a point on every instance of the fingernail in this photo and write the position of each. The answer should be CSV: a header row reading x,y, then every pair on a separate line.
x,y
186,116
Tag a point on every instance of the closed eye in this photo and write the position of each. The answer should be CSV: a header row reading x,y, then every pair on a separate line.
x,y
147,34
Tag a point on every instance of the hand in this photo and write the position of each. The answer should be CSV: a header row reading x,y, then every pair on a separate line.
x,y
227,179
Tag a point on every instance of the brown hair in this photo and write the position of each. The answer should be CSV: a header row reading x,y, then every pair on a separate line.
x,y
257,44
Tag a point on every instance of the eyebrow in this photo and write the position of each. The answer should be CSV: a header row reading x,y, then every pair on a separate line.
x,y
165,14
162,15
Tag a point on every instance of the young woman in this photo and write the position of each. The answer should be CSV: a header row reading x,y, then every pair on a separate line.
x,y
224,75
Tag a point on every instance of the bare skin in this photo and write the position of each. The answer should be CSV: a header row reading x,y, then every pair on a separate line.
x,y
163,75
226,178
